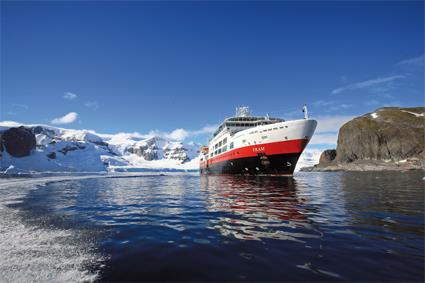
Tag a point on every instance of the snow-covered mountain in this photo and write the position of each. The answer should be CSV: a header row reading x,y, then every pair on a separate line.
x,y
308,158
58,149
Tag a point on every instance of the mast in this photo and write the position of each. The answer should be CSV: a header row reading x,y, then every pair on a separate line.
x,y
305,110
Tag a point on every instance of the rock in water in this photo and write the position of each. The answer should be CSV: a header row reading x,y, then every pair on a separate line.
x,y
327,156
19,142
51,155
388,134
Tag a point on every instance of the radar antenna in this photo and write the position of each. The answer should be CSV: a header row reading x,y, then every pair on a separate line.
x,y
243,111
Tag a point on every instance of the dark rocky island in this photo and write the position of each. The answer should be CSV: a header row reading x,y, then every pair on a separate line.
x,y
390,138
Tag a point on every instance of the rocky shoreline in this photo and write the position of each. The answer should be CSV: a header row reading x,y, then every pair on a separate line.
x,y
368,165
388,139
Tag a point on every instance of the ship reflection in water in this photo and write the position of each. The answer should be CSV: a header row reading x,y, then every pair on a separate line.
x,y
257,207
186,227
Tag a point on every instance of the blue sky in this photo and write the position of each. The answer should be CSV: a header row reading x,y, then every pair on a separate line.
x,y
143,66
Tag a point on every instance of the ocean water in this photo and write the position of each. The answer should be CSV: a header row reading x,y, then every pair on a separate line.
x,y
186,227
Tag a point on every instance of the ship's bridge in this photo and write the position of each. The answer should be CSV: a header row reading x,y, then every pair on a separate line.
x,y
236,124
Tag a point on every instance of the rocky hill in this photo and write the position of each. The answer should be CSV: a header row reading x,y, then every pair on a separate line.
x,y
26,148
390,138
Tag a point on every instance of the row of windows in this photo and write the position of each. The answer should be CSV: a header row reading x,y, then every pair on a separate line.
x,y
255,119
255,122
220,143
267,130
223,149
218,151
248,125
219,147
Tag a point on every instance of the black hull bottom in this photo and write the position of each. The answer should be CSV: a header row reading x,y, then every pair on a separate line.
x,y
280,164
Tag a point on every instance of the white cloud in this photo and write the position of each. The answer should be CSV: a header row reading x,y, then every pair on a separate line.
x,y
340,106
178,134
368,84
386,95
208,129
92,105
330,139
416,62
70,96
323,103
17,109
327,129
331,123
181,134
66,119
331,105
371,102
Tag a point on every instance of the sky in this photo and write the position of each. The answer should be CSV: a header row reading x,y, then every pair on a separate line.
x,y
179,68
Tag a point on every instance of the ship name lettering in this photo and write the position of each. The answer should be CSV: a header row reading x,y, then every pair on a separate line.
x,y
257,149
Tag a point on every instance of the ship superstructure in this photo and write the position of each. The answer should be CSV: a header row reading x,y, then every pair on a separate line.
x,y
256,145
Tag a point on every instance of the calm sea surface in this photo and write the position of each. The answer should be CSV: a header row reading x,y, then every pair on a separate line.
x,y
180,227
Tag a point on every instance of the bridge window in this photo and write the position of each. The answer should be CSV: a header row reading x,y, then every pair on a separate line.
x,y
231,145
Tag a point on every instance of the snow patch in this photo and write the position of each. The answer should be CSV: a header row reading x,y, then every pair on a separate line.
x,y
374,115
413,113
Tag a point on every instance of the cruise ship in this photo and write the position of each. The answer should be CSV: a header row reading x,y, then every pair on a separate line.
x,y
256,145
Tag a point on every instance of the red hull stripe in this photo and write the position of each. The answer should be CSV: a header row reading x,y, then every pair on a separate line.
x,y
282,147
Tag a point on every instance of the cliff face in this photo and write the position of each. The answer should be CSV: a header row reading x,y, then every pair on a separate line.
x,y
390,138
388,134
